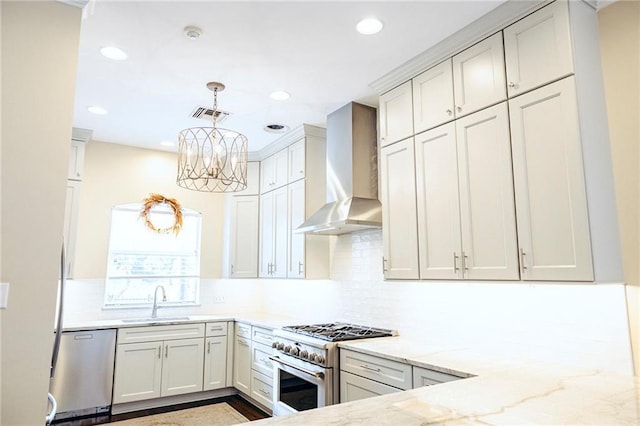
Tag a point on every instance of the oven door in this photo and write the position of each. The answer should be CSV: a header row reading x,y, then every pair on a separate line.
x,y
300,386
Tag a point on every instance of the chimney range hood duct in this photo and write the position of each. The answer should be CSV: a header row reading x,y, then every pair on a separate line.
x,y
352,175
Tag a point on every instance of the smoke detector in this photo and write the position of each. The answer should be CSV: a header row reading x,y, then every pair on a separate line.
x,y
192,32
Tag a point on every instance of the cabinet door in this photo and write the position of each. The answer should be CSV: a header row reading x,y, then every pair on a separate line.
x,y
487,209
281,233
244,237
433,97
295,257
215,363
76,160
253,179
138,372
182,368
242,365
260,358
262,388
437,202
71,209
396,114
280,168
478,76
267,174
538,49
354,388
296,161
425,377
267,234
551,205
399,224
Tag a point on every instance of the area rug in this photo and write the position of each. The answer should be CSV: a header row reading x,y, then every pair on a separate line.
x,y
220,414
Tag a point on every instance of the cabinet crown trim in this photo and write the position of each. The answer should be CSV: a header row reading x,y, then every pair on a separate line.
x,y
293,136
81,135
494,21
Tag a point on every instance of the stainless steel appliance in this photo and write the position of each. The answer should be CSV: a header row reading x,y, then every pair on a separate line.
x,y
306,370
83,378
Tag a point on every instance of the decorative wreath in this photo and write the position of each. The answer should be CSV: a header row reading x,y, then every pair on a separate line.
x,y
154,200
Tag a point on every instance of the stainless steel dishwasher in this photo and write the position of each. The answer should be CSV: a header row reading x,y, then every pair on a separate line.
x,y
83,378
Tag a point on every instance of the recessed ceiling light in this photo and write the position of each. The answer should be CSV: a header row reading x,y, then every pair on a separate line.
x,y
369,26
114,53
167,143
280,95
276,128
97,110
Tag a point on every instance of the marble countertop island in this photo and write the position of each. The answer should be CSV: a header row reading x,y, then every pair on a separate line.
x,y
510,392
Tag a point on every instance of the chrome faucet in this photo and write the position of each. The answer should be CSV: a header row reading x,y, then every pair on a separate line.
x,y
154,310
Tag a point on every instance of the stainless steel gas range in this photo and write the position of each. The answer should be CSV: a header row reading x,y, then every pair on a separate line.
x,y
306,372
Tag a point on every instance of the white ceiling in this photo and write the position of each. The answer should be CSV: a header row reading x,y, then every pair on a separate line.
x,y
307,48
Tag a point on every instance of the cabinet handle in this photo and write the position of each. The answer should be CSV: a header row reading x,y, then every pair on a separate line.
x,y
455,263
264,392
300,272
232,269
273,268
166,351
209,347
465,268
459,108
159,351
512,85
523,267
366,367
449,112
301,172
384,265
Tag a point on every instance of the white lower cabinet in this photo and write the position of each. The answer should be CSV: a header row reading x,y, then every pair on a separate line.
x,y
353,388
363,376
252,368
156,361
215,356
427,377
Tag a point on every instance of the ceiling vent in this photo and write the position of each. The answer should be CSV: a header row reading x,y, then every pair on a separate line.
x,y
205,113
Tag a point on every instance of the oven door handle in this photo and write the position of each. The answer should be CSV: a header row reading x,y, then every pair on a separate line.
x,y
316,374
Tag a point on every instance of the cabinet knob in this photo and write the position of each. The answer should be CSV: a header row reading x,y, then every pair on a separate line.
x,y
449,112
459,108
512,85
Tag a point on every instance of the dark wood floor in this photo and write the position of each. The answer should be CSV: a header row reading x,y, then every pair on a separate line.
x,y
238,403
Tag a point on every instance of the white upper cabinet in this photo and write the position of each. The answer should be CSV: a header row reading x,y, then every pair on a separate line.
x,y
553,222
76,160
296,158
466,216
437,203
243,244
273,234
396,114
399,223
274,172
487,215
538,49
253,180
478,76
433,97
296,242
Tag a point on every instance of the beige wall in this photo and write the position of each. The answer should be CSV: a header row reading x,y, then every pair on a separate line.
x,y
39,61
619,26
117,174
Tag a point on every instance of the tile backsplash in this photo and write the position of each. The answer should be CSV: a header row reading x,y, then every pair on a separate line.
x,y
581,325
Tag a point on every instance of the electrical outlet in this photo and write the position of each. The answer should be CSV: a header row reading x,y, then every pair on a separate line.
x,y
218,299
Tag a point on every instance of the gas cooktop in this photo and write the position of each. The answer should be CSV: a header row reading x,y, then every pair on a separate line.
x,y
337,332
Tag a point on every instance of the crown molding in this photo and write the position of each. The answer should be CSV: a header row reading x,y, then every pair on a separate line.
x,y
292,136
494,21
76,3
81,135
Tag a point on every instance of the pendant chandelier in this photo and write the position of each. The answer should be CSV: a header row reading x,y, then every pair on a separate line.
x,y
212,159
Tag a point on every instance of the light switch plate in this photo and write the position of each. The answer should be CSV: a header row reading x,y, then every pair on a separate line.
x,y
4,295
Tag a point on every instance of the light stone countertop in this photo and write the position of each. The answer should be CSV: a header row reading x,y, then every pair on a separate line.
x,y
502,392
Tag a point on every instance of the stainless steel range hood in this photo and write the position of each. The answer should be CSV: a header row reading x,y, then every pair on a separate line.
x,y
352,174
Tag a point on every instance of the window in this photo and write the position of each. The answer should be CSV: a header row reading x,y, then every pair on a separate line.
x,y
139,259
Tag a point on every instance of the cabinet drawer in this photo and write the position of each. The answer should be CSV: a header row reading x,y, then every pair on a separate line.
x,y
262,335
382,370
160,332
243,330
354,388
260,358
218,328
262,389
426,377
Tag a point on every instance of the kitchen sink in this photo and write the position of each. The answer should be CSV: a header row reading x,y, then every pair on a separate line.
x,y
155,320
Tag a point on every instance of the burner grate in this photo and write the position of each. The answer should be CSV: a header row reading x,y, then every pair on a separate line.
x,y
336,332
